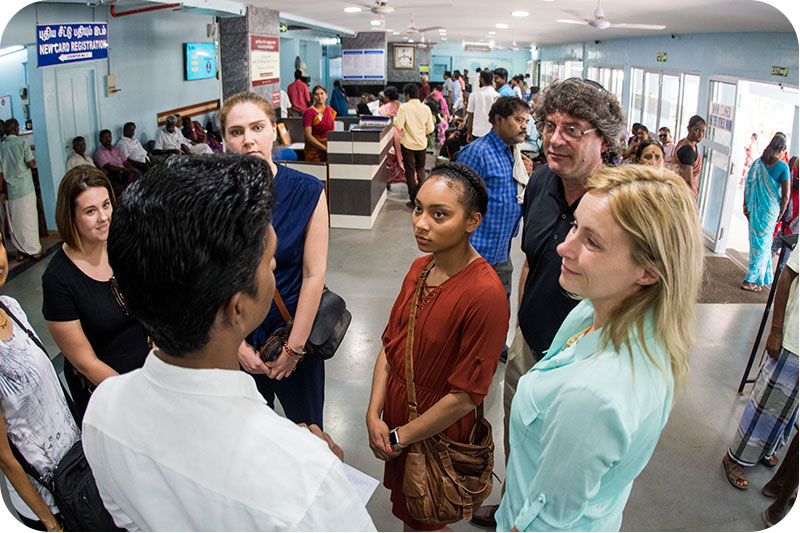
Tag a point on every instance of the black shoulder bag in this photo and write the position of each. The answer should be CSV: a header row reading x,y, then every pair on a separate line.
x,y
72,485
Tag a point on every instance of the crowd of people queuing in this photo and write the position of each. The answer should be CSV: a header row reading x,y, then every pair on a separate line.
x,y
163,294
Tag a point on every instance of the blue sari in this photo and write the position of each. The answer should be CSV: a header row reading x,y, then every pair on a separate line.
x,y
762,197
339,102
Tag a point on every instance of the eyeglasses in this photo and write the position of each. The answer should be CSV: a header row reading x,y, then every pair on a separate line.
x,y
119,297
569,133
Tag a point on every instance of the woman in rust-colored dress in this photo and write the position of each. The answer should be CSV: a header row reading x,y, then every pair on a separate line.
x,y
460,327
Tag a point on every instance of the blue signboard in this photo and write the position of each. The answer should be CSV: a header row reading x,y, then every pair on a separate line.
x,y
60,44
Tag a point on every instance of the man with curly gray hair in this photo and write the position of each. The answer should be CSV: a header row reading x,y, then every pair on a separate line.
x,y
582,127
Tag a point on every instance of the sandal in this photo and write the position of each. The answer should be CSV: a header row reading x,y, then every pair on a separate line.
x,y
752,287
735,473
770,461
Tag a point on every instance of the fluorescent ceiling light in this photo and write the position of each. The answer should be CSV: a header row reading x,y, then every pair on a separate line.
x,y
395,33
501,26
444,38
375,22
519,14
492,32
10,50
352,9
411,40
442,30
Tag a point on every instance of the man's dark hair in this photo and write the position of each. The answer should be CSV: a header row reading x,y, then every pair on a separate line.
x,y
446,73
298,74
103,131
78,138
695,120
125,127
11,125
411,90
187,236
505,106
391,93
475,196
478,69
486,77
501,73
643,127
664,128
456,74
590,102
2,130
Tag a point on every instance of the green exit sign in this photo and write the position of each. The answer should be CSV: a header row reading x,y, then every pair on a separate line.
x,y
779,71
284,27
661,57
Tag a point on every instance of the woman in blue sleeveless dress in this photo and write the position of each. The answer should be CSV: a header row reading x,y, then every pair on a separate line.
x,y
300,219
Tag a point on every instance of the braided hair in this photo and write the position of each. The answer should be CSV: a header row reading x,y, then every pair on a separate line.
x,y
474,196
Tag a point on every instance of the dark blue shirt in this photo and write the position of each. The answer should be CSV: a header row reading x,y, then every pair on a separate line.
x,y
547,220
296,195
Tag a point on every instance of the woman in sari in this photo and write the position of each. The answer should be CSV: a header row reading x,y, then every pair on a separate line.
x,y
339,99
437,95
317,122
395,172
766,195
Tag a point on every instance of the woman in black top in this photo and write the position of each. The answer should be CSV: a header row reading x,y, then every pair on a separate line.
x,y
85,312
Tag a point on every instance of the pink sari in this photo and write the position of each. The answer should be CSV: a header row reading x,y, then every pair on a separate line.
x,y
395,172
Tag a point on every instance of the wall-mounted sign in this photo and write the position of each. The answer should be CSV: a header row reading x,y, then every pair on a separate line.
x,y
367,64
721,116
60,44
265,60
284,27
424,69
5,107
779,71
661,57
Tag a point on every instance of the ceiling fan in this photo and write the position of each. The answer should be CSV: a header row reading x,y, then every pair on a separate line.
x,y
382,7
600,22
412,28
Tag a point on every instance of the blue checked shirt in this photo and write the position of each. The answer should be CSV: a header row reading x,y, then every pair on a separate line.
x,y
493,160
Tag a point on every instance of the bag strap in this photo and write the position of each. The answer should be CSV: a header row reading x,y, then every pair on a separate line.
x,y
287,317
410,388
70,404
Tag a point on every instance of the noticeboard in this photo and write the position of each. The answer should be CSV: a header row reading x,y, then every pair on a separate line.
x,y
61,44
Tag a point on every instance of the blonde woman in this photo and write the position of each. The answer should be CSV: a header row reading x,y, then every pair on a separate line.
x,y
586,418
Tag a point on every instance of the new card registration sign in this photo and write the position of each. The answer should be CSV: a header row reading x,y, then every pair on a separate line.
x,y
61,44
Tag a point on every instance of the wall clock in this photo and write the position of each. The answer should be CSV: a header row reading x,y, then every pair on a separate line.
x,y
403,56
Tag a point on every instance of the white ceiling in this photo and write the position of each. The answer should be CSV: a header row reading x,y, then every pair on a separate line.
x,y
473,19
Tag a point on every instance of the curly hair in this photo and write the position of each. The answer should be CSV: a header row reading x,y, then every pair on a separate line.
x,y
586,100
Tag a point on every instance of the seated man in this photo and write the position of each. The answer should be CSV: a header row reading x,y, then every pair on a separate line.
x,y
79,157
170,141
132,149
110,160
187,442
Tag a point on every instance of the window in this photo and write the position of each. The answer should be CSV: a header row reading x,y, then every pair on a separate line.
x,y
661,99
610,78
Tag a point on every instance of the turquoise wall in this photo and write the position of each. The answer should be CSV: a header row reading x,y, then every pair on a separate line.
x,y
145,55
514,62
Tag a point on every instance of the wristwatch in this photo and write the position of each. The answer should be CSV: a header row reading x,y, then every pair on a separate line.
x,y
393,440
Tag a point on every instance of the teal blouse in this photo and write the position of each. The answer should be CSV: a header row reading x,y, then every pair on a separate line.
x,y
583,424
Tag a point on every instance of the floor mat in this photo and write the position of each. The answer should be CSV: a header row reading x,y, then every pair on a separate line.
x,y
721,283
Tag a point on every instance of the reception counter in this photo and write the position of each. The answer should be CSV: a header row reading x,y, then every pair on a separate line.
x,y
357,175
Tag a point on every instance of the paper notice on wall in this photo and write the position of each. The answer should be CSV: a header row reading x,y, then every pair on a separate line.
x,y
368,64
5,107
265,60
365,485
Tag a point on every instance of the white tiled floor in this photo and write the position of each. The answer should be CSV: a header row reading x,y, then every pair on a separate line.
x,y
683,487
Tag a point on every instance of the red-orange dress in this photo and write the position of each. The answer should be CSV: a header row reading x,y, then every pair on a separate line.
x,y
459,334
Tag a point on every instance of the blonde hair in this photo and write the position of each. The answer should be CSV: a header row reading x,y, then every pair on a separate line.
x,y
657,211
241,98
75,181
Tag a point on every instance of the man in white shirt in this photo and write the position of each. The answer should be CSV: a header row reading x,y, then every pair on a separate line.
x,y
665,138
478,107
79,157
170,141
187,442
474,80
447,90
132,149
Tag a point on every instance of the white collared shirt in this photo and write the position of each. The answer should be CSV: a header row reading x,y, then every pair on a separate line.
x,y
480,102
176,449
132,149
170,141
76,160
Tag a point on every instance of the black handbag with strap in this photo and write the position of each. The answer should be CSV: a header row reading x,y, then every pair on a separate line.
x,y
72,485
327,332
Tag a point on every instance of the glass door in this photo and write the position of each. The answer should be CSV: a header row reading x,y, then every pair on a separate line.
x,y
717,181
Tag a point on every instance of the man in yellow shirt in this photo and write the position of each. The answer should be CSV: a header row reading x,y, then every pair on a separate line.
x,y
415,120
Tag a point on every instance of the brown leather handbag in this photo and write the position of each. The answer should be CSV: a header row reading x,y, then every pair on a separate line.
x,y
445,481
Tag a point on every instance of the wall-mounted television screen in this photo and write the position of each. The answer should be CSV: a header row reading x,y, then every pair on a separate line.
x,y
200,60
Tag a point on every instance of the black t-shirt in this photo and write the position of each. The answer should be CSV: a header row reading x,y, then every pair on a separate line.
x,y
686,154
546,221
69,294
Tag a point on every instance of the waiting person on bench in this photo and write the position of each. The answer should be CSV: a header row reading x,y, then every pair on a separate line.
x,y
170,140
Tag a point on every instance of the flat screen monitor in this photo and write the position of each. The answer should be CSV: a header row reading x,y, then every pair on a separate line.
x,y
200,60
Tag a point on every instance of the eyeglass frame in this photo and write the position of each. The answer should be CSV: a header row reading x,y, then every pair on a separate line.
x,y
557,127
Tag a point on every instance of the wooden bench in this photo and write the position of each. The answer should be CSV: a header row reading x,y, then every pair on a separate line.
x,y
189,111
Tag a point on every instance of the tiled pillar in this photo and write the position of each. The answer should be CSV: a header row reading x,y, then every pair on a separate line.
x,y
237,36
